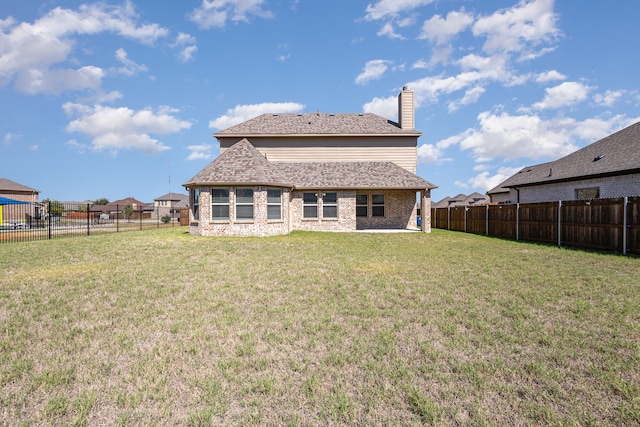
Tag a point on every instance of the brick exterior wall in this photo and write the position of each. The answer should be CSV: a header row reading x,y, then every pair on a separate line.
x,y
400,213
259,226
19,213
614,186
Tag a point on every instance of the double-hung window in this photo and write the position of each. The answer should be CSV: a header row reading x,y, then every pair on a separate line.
x,y
330,205
195,203
362,205
274,204
244,204
310,205
377,205
220,204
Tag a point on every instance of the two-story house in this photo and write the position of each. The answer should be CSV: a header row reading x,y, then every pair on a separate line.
x,y
325,172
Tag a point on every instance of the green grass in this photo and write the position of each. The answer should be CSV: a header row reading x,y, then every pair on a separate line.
x,y
162,328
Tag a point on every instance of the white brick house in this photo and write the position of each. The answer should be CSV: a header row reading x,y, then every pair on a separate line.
x,y
607,168
326,172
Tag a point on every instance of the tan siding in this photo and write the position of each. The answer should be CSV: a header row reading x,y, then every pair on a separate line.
x,y
400,150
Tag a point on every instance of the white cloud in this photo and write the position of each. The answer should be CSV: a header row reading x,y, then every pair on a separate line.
x,y
115,129
471,96
518,29
10,137
389,31
28,51
420,64
510,137
242,113
200,152
563,95
216,13
130,67
484,181
187,45
440,30
373,70
384,107
428,153
609,98
392,8
550,76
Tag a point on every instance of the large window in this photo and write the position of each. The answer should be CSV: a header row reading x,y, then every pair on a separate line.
x,y
220,204
310,205
587,193
377,204
244,204
362,205
195,203
330,205
274,204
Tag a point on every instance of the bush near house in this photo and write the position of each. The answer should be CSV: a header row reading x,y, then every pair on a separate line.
x,y
163,328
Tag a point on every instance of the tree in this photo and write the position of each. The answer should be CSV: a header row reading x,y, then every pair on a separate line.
x,y
101,201
128,211
54,207
166,219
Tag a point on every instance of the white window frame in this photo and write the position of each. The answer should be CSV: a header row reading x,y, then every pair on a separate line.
x,y
309,205
272,204
215,203
329,205
241,204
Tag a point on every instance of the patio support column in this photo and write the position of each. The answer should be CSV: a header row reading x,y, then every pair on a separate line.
x,y
425,210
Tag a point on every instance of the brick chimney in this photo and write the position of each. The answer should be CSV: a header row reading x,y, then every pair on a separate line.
x,y
406,109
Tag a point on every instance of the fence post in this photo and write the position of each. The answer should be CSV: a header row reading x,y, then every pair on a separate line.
x,y
49,216
559,223
624,225
517,221
88,221
117,219
449,218
466,208
487,221
140,215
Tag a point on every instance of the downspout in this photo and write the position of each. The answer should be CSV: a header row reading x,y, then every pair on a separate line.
x,y
518,194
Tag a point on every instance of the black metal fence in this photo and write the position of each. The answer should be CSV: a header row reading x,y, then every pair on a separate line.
x,y
24,221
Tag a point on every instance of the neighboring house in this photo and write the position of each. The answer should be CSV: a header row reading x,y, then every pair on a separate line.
x,y
326,172
169,204
19,202
116,209
473,199
607,168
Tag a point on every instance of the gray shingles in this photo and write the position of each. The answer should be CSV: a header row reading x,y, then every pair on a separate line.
x,y
620,153
316,124
242,164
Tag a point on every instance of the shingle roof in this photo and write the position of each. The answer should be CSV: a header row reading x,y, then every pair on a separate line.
x,y
615,154
173,197
316,124
8,185
242,164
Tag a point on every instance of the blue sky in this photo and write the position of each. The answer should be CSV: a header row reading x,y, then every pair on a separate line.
x,y
120,98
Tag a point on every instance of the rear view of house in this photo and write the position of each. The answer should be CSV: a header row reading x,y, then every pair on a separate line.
x,y
326,172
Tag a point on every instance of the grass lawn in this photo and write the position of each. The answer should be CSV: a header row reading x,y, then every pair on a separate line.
x,y
161,328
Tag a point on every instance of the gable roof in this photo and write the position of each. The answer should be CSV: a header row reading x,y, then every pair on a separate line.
x,y
8,185
316,124
173,197
243,164
616,154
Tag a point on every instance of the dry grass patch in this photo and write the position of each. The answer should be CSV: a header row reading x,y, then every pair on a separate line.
x,y
162,328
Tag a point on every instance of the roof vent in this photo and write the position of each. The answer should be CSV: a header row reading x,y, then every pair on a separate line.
x,y
598,157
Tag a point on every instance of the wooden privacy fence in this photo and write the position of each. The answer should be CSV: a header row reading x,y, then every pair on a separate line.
x,y
602,224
